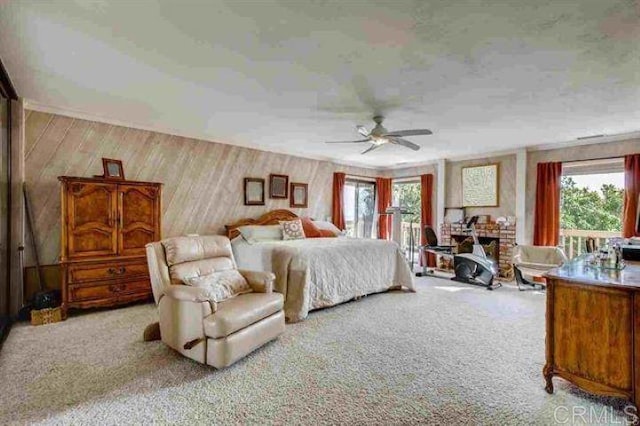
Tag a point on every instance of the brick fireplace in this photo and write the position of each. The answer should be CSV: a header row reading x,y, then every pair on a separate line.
x,y
502,237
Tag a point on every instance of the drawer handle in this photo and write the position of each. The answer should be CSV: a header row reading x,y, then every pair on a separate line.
x,y
111,271
122,270
115,288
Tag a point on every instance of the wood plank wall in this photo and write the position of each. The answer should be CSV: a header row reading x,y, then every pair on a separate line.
x,y
203,180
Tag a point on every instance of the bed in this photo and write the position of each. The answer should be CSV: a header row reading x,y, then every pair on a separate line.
x,y
315,273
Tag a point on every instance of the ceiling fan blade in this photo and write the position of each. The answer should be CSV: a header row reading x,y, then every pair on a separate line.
x,y
360,141
405,143
414,132
363,131
371,148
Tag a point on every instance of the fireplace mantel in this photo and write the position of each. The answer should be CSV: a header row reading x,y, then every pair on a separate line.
x,y
505,234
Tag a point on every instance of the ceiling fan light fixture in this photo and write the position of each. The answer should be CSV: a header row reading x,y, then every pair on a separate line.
x,y
379,141
379,136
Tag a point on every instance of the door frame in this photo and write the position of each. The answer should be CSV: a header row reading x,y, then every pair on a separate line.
x,y
8,92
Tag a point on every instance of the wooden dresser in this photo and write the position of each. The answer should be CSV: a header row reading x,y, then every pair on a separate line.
x,y
593,329
105,226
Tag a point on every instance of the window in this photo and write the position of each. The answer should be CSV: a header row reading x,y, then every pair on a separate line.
x,y
360,208
592,197
406,194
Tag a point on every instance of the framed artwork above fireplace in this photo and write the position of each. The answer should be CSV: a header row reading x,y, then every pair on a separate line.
x,y
480,186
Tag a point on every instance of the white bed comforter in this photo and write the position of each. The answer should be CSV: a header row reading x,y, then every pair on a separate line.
x,y
319,272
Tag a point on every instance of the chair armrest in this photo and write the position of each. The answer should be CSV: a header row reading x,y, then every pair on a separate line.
x,y
260,281
538,266
562,256
181,311
187,293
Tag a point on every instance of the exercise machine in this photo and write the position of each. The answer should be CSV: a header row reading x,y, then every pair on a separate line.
x,y
432,247
475,268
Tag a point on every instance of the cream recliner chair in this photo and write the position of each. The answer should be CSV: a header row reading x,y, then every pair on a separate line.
x,y
533,261
212,333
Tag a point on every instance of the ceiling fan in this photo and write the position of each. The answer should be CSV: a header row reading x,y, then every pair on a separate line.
x,y
379,136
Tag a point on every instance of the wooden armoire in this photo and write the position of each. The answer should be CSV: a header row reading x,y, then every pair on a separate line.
x,y
105,226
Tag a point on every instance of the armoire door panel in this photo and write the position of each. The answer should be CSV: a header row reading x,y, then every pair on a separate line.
x,y
134,240
138,218
92,230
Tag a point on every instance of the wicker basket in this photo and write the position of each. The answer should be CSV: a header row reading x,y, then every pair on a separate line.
x,y
46,316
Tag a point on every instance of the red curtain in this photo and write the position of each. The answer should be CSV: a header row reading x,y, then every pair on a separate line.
x,y
383,187
337,211
631,192
546,230
426,213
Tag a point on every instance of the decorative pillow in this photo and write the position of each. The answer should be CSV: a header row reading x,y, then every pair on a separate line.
x,y
327,226
221,285
310,230
292,230
256,233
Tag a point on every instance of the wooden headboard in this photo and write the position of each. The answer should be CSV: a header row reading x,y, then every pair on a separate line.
x,y
270,218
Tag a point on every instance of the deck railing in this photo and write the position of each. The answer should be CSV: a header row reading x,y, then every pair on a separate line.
x,y
574,240
407,229
357,228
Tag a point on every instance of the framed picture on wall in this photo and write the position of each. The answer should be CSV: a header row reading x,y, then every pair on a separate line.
x,y
299,195
480,186
278,186
253,192
112,169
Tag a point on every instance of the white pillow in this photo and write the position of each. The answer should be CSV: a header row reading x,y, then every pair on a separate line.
x,y
328,226
221,285
256,233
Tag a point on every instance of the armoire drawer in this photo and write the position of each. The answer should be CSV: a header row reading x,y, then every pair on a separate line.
x,y
90,272
108,290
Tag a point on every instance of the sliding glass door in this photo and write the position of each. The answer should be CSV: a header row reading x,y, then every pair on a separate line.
x,y
360,208
592,199
406,194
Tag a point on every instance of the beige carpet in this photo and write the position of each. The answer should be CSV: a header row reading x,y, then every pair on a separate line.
x,y
449,354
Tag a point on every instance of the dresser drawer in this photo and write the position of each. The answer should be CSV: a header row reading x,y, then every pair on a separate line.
x,y
109,290
90,272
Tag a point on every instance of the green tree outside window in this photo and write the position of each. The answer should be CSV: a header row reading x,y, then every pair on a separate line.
x,y
582,208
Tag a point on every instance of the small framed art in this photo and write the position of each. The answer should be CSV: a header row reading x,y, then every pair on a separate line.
x,y
253,192
278,186
299,195
112,169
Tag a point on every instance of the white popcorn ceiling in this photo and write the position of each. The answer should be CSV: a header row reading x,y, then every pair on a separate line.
x,y
285,76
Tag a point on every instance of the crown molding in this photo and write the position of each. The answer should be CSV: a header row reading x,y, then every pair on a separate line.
x,y
499,153
466,157
37,106
617,137
408,165
80,115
